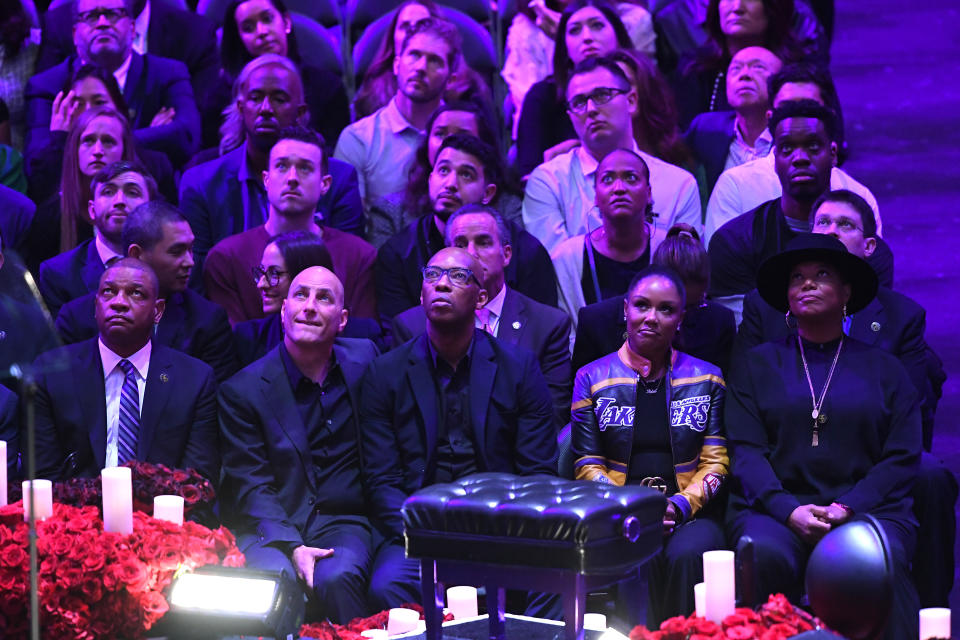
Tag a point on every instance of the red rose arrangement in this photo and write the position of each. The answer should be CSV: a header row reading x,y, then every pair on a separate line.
x,y
95,584
352,630
149,481
777,619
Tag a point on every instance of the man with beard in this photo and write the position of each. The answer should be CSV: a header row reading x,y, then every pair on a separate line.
x,y
124,397
449,403
117,190
466,171
291,453
296,178
163,111
226,195
157,234
382,145
804,153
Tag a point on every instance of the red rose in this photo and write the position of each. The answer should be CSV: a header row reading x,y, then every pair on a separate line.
x,y
642,633
741,633
133,574
704,626
180,476
13,555
190,493
154,606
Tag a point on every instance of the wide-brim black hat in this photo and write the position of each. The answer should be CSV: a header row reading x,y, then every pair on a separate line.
x,y
774,273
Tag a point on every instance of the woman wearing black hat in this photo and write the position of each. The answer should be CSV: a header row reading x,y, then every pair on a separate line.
x,y
821,427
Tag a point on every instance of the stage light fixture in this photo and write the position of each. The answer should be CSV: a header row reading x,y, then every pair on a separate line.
x,y
230,601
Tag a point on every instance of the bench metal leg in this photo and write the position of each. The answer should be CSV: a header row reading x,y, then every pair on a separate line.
x,y
431,593
574,604
496,604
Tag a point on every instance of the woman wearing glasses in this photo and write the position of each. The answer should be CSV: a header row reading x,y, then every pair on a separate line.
x,y
283,258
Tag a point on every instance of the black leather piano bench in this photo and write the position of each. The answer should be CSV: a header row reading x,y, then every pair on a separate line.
x,y
539,533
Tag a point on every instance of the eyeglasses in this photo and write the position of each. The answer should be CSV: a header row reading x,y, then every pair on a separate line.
x,y
272,274
843,224
92,17
459,276
600,96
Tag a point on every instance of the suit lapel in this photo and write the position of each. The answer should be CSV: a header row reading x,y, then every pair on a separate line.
x,y
420,377
513,318
483,370
92,268
92,397
159,388
276,391
131,89
861,326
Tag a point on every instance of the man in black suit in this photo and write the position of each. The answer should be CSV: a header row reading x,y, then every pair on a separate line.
x,y
466,171
291,453
123,396
103,32
896,324
508,315
117,190
170,32
158,234
452,402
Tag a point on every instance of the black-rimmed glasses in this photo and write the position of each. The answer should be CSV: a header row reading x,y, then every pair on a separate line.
x,y
459,276
600,96
272,274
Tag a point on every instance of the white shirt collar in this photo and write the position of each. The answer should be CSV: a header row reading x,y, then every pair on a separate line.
x,y
106,253
141,24
121,73
495,304
140,360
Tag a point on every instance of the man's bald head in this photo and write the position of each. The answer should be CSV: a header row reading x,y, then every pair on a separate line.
x,y
451,290
312,313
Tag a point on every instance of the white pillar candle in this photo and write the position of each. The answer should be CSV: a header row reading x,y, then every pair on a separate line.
x,y
43,499
3,473
700,598
401,621
594,622
462,602
169,508
117,499
934,623
718,576
375,634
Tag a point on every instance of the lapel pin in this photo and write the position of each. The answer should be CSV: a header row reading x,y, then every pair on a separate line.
x,y
516,324
875,326
164,377
3,335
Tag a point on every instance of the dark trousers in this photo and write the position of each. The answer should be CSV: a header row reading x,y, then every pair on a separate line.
x,y
340,581
934,499
666,582
781,560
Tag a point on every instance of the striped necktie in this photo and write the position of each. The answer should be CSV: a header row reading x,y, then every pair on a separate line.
x,y
129,422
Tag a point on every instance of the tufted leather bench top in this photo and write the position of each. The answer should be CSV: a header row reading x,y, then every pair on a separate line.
x,y
535,521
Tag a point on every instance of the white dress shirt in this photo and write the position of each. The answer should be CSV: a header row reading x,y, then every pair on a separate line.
x,y
106,253
559,201
495,307
141,25
113,377
121,73
748,186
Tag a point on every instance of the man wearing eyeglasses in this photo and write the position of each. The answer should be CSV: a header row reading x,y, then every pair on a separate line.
x,y
448,403
157,90
296,178
559,199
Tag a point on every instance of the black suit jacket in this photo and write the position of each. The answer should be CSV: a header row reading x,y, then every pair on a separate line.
x,y
171,33
70,275
268,466
153,82
401,258
706,333
178,418
190,324
543,330
709,138
255,338
510,414
892,322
